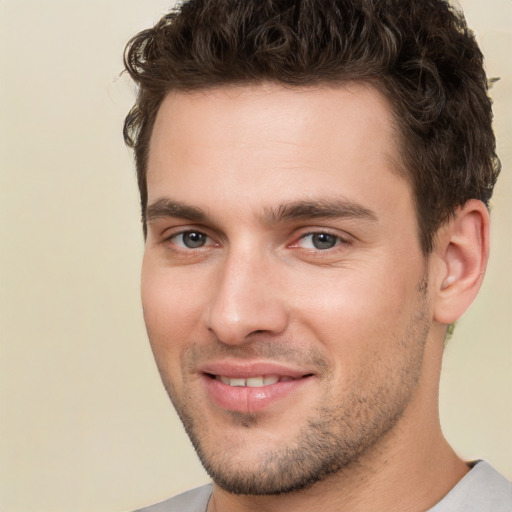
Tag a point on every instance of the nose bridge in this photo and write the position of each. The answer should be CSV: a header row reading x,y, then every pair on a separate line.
x,y
244,300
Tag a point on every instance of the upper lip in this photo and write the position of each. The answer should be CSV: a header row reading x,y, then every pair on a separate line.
x,y
247,369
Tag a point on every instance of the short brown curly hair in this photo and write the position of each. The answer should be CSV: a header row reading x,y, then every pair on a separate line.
x,y
419,53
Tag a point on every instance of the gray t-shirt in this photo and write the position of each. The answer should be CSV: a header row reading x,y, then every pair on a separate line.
x,y
483,489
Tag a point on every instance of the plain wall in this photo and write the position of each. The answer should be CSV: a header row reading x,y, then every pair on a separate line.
x,y
84,422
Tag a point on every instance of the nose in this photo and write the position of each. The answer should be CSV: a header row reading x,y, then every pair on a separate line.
x,y
248,298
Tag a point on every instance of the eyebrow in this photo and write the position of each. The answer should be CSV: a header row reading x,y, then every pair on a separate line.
x,y
319,209
163,208
294,210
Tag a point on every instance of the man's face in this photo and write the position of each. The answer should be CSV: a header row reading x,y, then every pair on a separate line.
x,y
283,284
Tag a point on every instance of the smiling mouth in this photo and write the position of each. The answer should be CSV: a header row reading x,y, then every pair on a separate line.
x,y
247,390
256,381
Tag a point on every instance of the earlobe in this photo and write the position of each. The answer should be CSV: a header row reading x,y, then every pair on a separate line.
x,y
462,250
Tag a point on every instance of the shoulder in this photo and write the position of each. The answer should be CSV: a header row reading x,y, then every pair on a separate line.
x,y
483,489
195,500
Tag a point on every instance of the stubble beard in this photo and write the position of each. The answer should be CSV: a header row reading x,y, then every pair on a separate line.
x,y
333,440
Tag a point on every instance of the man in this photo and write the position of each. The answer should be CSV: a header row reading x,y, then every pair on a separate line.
x,y
314,180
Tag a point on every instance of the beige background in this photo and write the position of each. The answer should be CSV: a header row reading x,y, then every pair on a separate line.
x,y
84,422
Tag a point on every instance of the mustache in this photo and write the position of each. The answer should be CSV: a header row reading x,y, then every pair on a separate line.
x,y
280,351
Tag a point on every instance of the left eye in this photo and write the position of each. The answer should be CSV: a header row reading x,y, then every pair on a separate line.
x,y
190,239
319,241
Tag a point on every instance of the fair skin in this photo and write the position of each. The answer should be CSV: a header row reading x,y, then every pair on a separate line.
x,y
295,321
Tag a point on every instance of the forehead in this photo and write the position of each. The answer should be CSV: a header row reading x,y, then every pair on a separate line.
x,y
248,141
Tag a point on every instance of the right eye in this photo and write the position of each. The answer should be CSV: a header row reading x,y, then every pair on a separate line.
x,y
190,239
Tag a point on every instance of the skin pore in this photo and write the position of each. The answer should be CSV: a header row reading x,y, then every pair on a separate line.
x,y
282,244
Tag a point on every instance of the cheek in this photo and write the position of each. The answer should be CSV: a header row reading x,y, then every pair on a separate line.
x,y
355,299
359,314
172,307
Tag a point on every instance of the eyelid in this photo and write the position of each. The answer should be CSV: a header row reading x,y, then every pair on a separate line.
x,y
172,233
182,244
336,239
342,239
167,236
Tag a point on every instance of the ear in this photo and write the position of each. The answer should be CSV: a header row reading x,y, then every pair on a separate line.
x,y
461,254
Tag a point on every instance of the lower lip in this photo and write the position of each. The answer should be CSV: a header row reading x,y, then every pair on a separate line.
x,y
251,400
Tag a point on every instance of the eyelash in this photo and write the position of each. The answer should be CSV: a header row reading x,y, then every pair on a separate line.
x,y
338,240
182,246
335,239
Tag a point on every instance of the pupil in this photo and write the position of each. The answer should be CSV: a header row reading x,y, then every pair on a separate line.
x,y
323,241
193,239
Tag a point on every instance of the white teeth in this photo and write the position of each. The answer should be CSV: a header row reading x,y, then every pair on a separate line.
x,y
237,382
270,379
253,382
